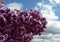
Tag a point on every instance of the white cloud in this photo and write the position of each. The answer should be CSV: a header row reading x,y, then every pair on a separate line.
x,y
40,4
47,38
53,27
55,1
52,33
47,11
14,5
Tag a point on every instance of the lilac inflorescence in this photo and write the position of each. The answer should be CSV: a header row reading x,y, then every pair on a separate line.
x,y
20,26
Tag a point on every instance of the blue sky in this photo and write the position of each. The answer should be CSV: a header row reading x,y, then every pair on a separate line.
x,y
29,4
26,3
49,9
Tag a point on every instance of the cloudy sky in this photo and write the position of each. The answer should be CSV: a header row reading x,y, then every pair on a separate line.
x,y
49,9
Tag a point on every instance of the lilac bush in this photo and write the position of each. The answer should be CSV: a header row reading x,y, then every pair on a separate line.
x,y
20,26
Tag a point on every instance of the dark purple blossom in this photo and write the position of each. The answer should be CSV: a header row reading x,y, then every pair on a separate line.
x,y
20,26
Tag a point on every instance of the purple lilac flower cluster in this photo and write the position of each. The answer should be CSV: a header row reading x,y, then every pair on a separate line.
x,y
20,26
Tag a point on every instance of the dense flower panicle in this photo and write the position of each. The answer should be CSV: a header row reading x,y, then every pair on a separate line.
x,y
20,26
